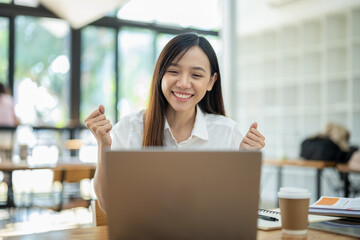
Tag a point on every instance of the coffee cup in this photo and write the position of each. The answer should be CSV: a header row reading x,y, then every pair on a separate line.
x,y
294,210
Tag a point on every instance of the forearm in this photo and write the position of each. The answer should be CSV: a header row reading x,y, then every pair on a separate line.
x,y
100,127
99,178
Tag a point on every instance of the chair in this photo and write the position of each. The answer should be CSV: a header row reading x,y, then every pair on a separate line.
x,y
74,175
73,145
99,217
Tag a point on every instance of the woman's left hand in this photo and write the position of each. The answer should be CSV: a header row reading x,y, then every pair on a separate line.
x,y
253,140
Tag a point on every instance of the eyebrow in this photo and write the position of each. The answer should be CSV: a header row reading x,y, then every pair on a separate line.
x,y
195,68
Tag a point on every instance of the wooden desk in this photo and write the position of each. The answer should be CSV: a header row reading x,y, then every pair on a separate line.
x,y
346,170
100,233
8,167
317,164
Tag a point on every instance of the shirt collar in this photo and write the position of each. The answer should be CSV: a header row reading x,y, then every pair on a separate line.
x,y
200,129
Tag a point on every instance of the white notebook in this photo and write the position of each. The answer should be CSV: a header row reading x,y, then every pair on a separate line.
x,y
275,213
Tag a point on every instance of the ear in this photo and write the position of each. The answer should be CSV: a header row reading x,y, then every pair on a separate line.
x,y
212,81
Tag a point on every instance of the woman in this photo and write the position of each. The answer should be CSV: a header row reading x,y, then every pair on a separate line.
x,y
185,109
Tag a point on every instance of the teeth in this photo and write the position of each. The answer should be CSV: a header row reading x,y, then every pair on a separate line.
x,y
182,95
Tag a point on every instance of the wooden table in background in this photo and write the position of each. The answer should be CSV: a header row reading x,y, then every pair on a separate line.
x,y
346,170
316,164
100,233
8,167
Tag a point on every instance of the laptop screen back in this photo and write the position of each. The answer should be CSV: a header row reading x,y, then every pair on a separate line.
x,y
182,195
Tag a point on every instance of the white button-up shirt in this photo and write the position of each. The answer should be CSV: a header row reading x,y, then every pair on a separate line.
x,y
210,132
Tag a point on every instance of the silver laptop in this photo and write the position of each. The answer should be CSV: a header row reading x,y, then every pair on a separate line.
x,y
182,194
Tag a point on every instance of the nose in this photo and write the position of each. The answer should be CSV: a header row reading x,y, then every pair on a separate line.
x,y
183,81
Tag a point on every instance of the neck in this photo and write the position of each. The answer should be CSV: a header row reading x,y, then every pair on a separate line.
x,y
180,120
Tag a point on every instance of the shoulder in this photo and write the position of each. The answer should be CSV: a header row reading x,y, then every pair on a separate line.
x,y
219,120
137,116
223,132
127,133
130,120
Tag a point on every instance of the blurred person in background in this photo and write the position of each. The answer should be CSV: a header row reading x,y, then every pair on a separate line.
x,y
7,112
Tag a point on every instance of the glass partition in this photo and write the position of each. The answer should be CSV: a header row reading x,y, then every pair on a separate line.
x,y
98,71
42,71
136,52
161,40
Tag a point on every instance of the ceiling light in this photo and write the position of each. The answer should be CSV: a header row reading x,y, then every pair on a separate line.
x,y
81,12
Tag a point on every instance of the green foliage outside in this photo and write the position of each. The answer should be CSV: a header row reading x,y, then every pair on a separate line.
x,y
136,52
4,50
97,71
36,49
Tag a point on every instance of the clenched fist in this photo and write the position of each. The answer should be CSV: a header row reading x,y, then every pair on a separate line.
x,y
253,139
100,126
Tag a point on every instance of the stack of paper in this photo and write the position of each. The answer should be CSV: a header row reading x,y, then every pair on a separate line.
x,y
335,206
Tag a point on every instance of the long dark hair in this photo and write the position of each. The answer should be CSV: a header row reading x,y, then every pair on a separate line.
x,y
212,102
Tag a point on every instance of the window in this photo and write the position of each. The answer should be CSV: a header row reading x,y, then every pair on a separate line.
x,y
161,41
41,88
136,52
216,44
116,63
4,50
98,83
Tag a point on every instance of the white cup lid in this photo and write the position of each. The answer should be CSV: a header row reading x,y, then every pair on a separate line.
x,y
294,193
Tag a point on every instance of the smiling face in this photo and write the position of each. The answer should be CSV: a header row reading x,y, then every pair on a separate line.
x,y
186,81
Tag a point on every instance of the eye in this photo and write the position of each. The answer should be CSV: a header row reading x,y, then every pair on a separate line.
x,y
173,72
197,75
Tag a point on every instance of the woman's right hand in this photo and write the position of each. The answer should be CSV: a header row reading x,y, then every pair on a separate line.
x,y
100,126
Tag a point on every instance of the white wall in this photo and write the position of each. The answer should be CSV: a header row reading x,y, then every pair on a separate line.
x,y
257,15
297,70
